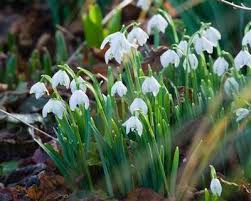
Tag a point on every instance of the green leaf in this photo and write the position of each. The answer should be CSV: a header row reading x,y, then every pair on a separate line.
x,y
92,23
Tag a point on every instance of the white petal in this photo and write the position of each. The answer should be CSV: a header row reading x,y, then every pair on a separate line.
x,y
182,48
216,187
220,66
193,62
157,22
151,85
144,4
62,78
169,57
132,124
241,113
137,36
118,88
247,39
231,86
78,83
243,58
78,98
213,35
138,105
38,89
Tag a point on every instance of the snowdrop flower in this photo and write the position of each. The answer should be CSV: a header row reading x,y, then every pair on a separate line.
x,y
144,4
193,62
79,98
39,90
54,106
119,46
247,39
182,48
241,113
202,44
138,105
169,57
213,35
231,86
137,36
150,84
118,88
220,66
157,22
243,58
216,187
133,124
78,83
60,78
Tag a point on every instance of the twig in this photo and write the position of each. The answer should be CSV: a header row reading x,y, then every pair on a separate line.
x,y
81,46
113,11
242,6
27,124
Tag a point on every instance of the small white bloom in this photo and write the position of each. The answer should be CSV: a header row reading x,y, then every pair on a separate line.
x,y
138,105
38,89
133,124
157,22
247,39
151,85
243,58
118,88
231,86
137,36
213,35
79,98
193,63
78,83
216,187
220,66
54,106
182,48
202,44
241,113
144,4
60,78
169,57
119,46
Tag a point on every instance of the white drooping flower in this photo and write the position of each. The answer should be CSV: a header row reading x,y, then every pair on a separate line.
x,y
78,84
137,36
54,106
215,187
231,86
60,78
241,113
144,4
158,23
247,39
119,46
38,89
138,105
220,66
118,88
201,44
133,124
213,35
243,58
150,85
193,63
79,98
169,57
182,48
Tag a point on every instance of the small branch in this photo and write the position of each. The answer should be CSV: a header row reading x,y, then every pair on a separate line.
x,y
114,10
242,6
29,125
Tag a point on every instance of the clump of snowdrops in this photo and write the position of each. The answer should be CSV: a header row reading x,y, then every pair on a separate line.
x,y
131,125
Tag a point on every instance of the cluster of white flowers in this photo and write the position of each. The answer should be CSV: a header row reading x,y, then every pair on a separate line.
x,y
149,85
56,106
120,45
